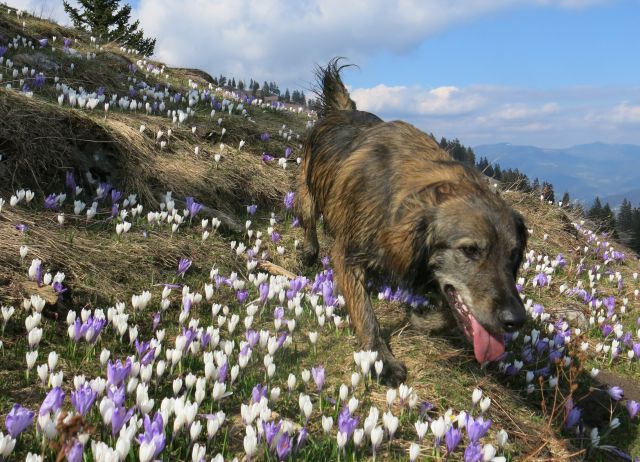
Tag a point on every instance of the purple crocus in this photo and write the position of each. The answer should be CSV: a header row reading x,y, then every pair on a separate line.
x,y
271,430
275,236
573,417
266,157
116,394
616,393
477,428
252,337
252,209
636,349
541,280
153,433
302,437
265,137
118,371
3,50
38,81
22,227
120,417
287,153
242,295
346,422
264,291
18,419
633,407
193,206
83,398
51,202
156,320
183,266
115,195
452,439
318,377
473,453
223,371
283,448
288,200
53,401
75,452
258,392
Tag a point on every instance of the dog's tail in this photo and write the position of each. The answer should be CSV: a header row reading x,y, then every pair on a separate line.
x,y
332,94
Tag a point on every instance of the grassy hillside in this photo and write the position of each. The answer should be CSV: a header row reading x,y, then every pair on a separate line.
x,y
157,233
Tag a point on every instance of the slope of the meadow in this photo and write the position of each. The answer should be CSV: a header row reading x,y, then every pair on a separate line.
x,y
154,306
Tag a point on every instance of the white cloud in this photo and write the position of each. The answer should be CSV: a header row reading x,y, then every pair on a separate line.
x,y
626,113
487,114
415,101
47,9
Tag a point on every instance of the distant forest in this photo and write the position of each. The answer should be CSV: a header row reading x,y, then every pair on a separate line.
x,y
623,225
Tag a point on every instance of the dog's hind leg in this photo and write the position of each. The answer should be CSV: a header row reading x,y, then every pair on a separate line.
x,y
308,214
351,281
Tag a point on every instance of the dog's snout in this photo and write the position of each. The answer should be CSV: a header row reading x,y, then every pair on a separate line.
x,y
512,319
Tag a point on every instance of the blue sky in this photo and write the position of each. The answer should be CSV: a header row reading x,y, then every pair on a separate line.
x,y
528,46
551,73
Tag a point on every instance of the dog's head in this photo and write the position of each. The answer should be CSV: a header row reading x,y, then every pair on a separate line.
x,y
468,243
475,246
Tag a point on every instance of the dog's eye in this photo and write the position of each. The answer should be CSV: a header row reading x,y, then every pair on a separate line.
x,y
471,251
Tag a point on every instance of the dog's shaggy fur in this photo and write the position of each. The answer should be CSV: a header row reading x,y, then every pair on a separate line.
x,y
400,208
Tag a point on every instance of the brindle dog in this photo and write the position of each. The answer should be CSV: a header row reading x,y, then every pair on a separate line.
x,y
399,207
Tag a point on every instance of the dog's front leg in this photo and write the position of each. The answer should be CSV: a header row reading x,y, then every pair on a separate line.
x,y
351,281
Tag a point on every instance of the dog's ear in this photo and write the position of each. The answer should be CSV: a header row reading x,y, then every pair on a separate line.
x,y
522,235
442,191
406,245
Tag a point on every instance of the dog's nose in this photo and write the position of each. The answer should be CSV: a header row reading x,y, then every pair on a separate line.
x,y
512,319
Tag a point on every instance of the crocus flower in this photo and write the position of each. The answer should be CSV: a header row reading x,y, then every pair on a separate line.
x,y
116,394
252,209
346,422
318,377
75,452
153,433
271,429
18,419
119,418
616,393
193,206
265,137
266,157
477,428
473,453
258,393
283,448
83,398
242,295
117,371
288,200
633,407
452,438
540,280
51,202
287,153
183,266
573,417
53,401
302,437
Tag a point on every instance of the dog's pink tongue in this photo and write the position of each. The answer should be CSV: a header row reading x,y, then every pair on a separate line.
x,y
486,346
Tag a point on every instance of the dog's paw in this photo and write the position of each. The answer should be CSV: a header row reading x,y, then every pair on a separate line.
x,y
393,372
309,256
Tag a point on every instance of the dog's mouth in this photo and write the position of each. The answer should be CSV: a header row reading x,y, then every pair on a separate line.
x,y
486,345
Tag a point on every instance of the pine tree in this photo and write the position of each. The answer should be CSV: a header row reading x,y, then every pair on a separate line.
x,y
625,216
566,200
110,22
240,85
287,95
